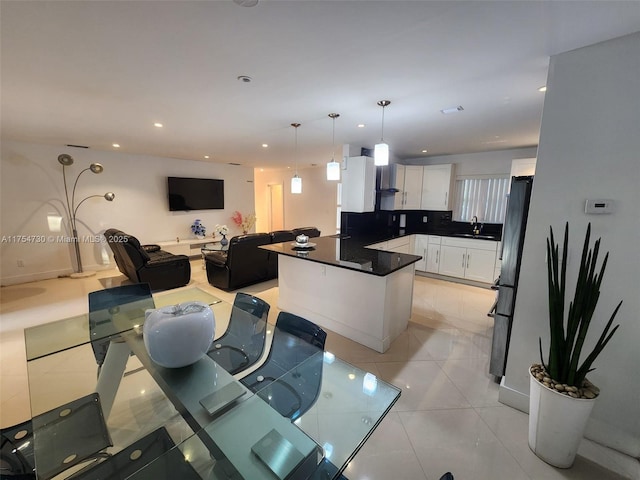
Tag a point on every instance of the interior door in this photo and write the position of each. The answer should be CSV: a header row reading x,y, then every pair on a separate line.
x,y
276,207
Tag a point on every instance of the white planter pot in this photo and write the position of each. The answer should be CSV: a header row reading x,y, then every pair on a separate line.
x,y
179,335
556,423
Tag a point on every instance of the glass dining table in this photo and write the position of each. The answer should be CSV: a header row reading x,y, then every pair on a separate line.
x,y
247,439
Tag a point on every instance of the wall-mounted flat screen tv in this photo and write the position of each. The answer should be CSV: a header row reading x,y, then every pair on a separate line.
x,y
195,194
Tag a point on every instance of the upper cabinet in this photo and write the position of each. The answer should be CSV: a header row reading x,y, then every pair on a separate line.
x,y
407,180
358,185
437,187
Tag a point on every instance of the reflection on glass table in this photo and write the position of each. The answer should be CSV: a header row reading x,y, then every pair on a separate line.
x,y
235,441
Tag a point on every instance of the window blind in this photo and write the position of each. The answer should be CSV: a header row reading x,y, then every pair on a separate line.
x,y
485,198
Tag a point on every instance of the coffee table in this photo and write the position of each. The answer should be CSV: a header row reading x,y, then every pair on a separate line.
x,y
213,247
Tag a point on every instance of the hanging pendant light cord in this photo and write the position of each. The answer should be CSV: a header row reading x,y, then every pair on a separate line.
x,y
333,141
295,159
382,129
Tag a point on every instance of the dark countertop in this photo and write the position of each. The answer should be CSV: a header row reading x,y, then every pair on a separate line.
x,y
346,253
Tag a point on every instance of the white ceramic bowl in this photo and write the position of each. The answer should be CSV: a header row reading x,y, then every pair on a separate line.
x,y
179,335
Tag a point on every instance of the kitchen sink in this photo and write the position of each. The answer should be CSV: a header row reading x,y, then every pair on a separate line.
x,y
479,236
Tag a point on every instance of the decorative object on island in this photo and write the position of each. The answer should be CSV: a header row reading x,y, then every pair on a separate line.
x,y
333,167
561,398
381,150
245,222
72,208
198,229
224,231
179,335
296,181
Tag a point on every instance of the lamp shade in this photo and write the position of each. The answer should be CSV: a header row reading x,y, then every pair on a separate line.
x,y
381,154
333,170
296,184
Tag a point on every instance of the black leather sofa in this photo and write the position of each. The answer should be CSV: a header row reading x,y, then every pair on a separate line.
x,y
148,263
244,263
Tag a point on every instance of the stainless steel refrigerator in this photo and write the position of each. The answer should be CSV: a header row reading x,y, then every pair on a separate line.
x,y
507,285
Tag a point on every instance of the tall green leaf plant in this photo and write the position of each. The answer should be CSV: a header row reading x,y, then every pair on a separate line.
x,y
567,338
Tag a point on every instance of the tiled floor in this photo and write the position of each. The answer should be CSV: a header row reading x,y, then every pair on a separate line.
x,y
447,419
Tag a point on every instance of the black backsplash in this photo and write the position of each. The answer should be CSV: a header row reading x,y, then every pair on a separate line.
x,y
380,225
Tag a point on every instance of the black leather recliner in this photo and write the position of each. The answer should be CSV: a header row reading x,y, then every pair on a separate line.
x,y
277,237
308,231
244,263
148,264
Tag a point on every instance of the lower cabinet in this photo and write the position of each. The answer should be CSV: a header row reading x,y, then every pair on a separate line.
x,y
468,258
428,247
452,261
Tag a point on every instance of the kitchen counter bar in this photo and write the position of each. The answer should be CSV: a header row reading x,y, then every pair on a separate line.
x,y
360,293
346,253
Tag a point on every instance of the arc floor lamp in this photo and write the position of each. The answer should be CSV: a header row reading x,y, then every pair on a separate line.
x,y
72,207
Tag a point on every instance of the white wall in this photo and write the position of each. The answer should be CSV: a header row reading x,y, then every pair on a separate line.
x,y
32,187
315,206
497,162
589,148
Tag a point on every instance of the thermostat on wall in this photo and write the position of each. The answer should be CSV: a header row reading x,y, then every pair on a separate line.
x,y
598,206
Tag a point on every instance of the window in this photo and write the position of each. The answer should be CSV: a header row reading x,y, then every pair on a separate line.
x,y
483,197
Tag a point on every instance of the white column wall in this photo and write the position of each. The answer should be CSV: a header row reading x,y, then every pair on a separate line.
x,y
589,148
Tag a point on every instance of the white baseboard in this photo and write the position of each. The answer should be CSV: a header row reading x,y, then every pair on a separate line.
x,y
613,460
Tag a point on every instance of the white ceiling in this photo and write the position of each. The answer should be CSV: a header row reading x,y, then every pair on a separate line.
x,y
101,72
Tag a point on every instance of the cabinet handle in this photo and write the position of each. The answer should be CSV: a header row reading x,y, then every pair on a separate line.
x,y
437,256
468,257
446,194
463,260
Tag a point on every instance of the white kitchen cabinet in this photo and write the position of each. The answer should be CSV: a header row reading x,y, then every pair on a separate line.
x,y
358,185
468,258
428,247
480,265
452,261
433,254
421,244
437,187
412,187
407,179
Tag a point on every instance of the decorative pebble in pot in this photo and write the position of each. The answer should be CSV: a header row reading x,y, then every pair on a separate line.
x,y
179,335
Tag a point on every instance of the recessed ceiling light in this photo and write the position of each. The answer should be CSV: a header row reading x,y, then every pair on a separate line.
x,y
361,125
542,88
116,145
206,156
265,145
244,78
449,110
158,125
424,151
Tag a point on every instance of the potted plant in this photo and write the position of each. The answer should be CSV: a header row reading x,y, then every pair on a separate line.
x,y
561,398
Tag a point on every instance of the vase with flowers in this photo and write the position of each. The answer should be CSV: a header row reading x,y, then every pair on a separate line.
x,y
223,231
245,222
198,229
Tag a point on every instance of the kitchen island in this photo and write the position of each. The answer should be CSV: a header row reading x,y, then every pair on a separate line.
x,y
360,293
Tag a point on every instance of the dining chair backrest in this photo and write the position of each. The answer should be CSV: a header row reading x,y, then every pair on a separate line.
x,y
291,376
153,456
104,304
242,343
69,435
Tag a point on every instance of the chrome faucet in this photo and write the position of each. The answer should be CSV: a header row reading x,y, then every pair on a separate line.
x,y
474,225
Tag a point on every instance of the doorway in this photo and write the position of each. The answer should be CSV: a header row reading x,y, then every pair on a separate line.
x,y
276,207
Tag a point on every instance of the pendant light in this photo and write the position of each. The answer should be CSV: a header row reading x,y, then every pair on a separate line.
x,y
333,167
296,181
381,150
